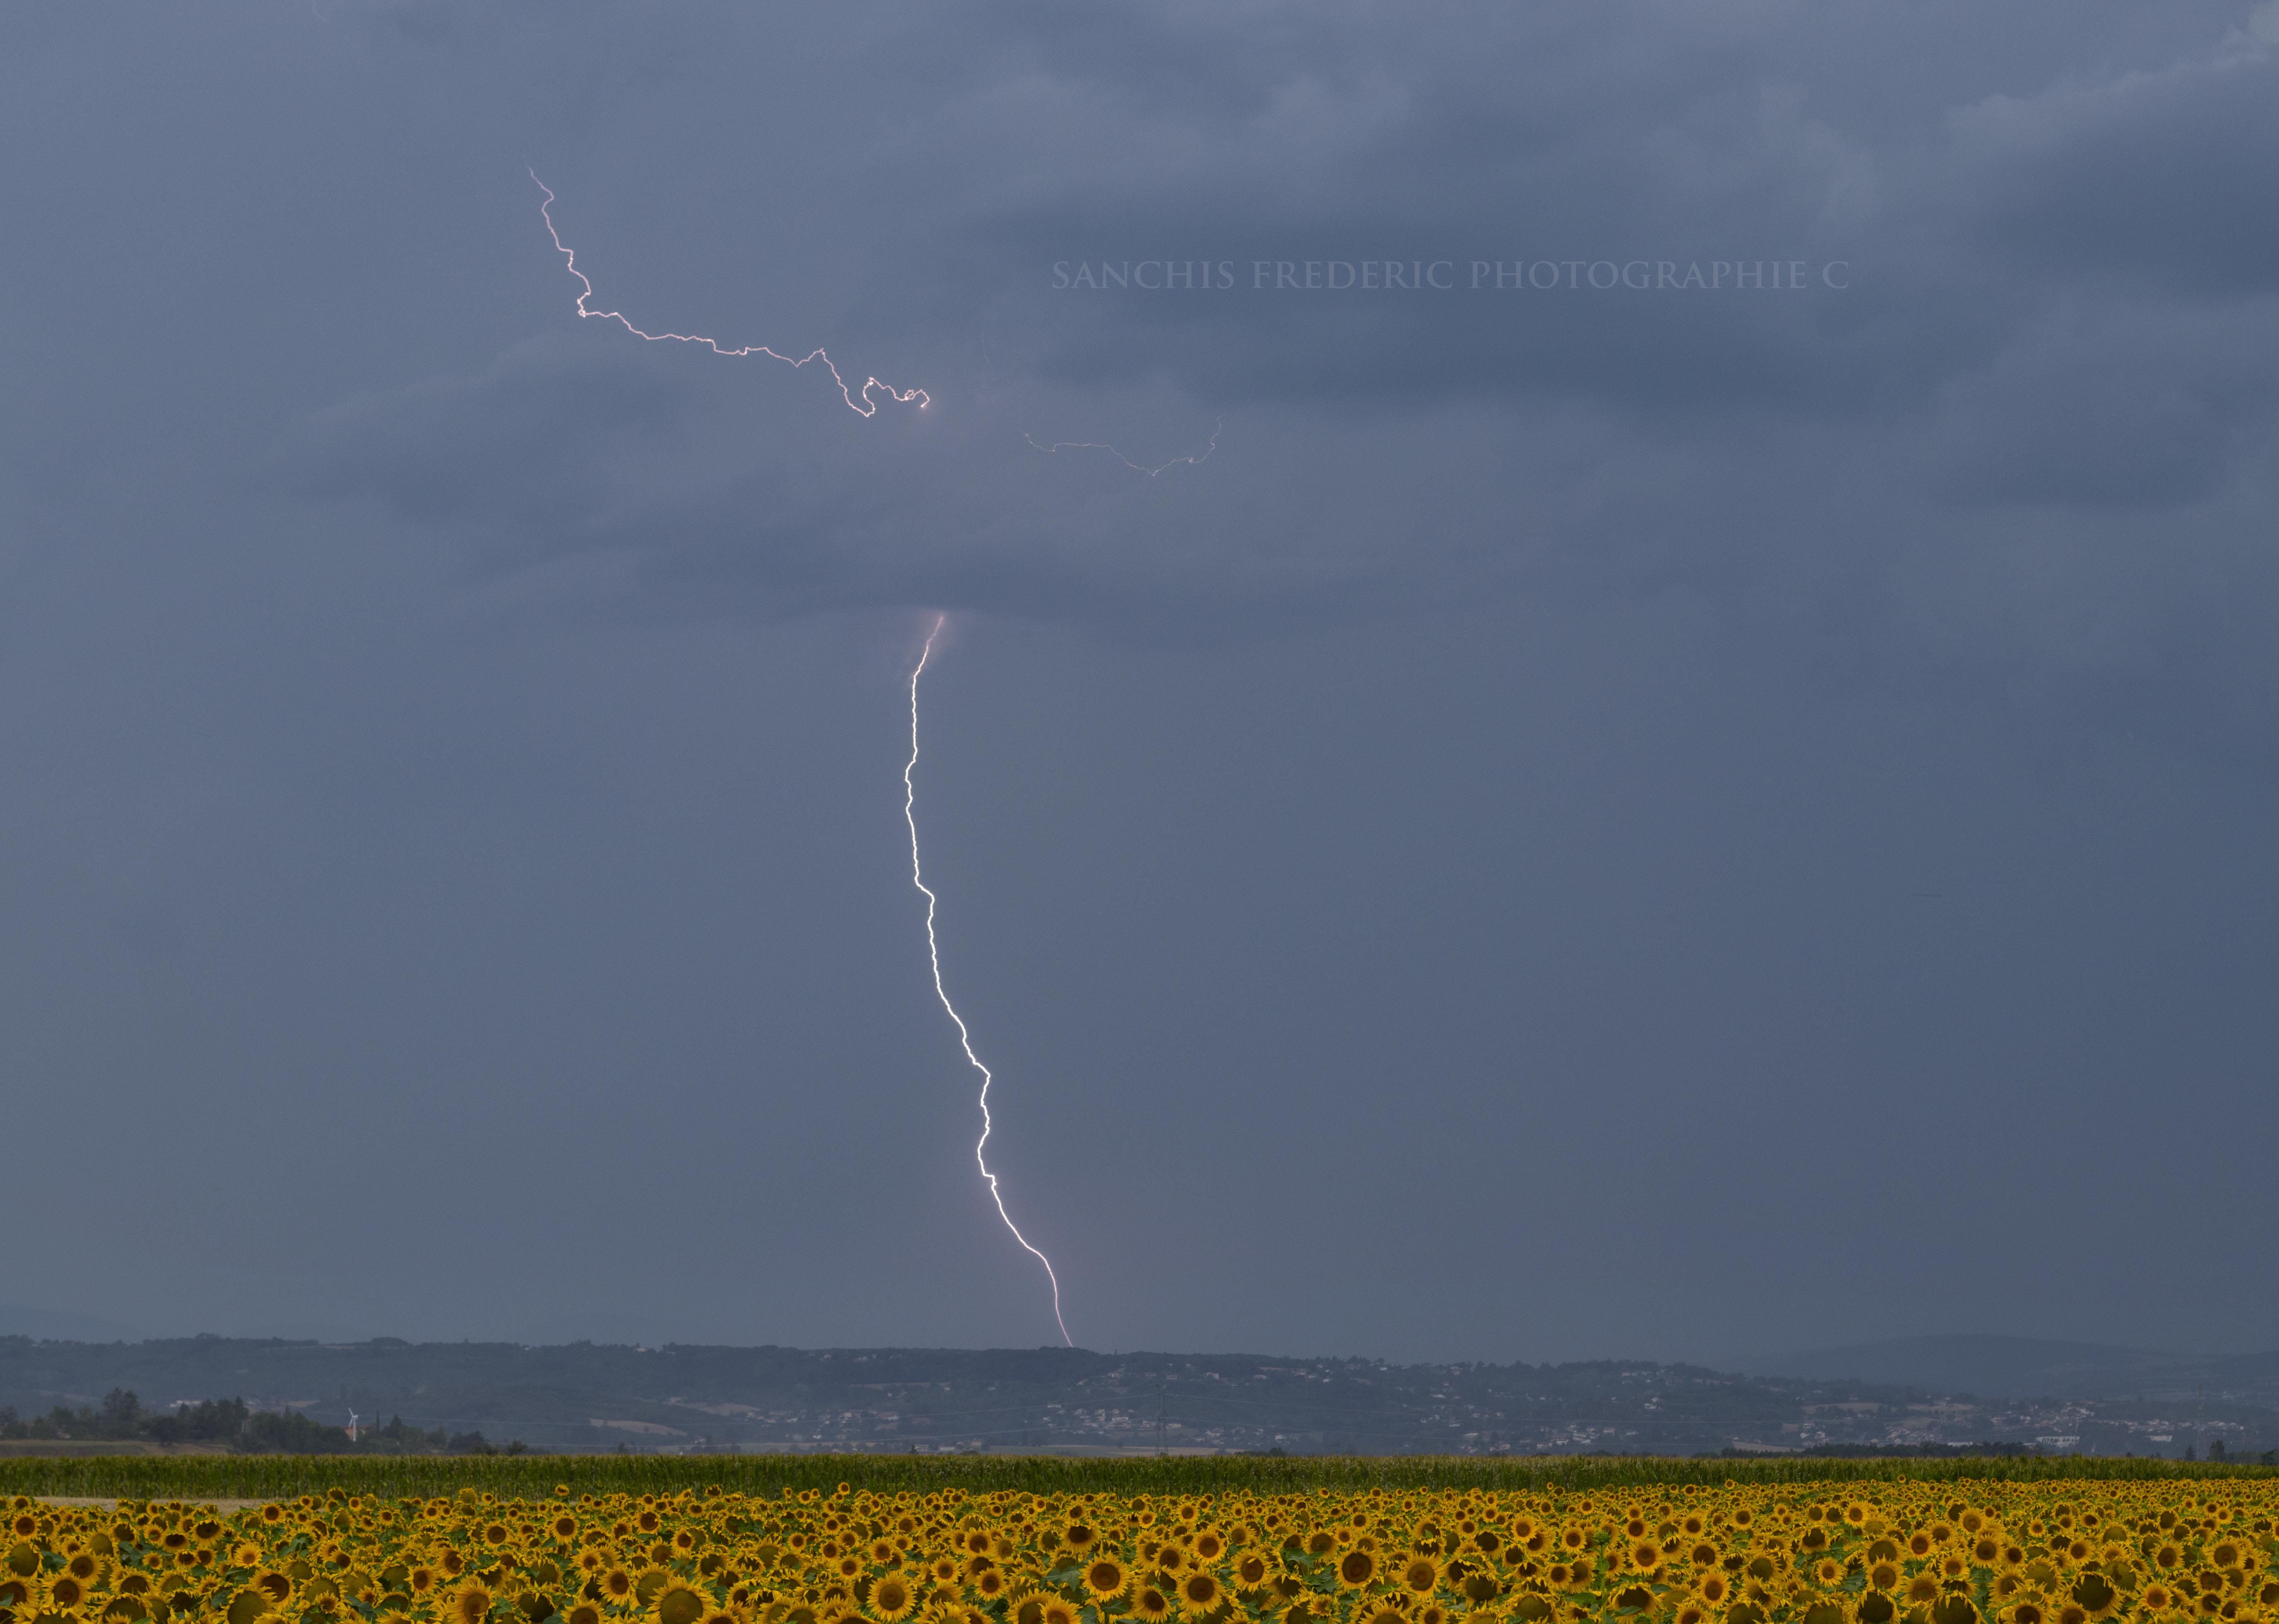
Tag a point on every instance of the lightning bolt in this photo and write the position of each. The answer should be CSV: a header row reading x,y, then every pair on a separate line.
x,y
933,955
1094,444
862,403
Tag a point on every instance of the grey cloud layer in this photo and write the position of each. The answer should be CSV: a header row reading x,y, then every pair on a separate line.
x,y
1800,761
2060,299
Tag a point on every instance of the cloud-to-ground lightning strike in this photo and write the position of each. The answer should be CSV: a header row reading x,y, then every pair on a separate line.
x,y
1093,444
934,956
862,402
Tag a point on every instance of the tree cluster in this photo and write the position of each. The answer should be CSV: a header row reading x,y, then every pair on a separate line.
x,y
232,1424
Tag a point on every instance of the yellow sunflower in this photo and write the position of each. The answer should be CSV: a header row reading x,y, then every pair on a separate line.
x,y
1199,1591
678,1602
66,1591
893,1598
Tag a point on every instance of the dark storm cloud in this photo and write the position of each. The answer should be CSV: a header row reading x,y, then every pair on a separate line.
x,y
1612,820
2053,296
2154,174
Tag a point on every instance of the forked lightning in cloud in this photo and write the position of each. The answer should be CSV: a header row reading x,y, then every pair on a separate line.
x,y
1093,444
859,401
934,956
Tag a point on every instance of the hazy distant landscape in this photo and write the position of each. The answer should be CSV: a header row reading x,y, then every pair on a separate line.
x,y
1905,1395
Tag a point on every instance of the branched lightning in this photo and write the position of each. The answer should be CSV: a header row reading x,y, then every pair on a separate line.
x,y
1093,444
860,402
933,955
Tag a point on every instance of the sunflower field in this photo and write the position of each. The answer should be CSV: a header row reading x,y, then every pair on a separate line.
x,y
2049,1552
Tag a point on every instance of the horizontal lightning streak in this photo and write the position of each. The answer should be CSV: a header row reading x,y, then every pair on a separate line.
x,y
1094,444
934,956
863,404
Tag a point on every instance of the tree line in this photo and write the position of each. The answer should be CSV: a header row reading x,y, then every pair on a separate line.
x,y
234,1425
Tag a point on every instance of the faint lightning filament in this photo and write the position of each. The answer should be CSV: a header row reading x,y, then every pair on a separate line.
x,y
860,402
933,955
1093,444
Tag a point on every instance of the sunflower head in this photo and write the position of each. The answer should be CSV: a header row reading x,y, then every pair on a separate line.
x,y
893,1598
678,1602
471,1605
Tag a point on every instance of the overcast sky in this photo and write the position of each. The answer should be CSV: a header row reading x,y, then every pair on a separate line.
x,y
1663,821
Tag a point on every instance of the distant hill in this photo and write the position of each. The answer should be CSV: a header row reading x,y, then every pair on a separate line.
x,y
681,1398
2033,1368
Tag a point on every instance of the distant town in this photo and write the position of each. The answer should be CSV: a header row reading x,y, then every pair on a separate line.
x,y
208,1393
